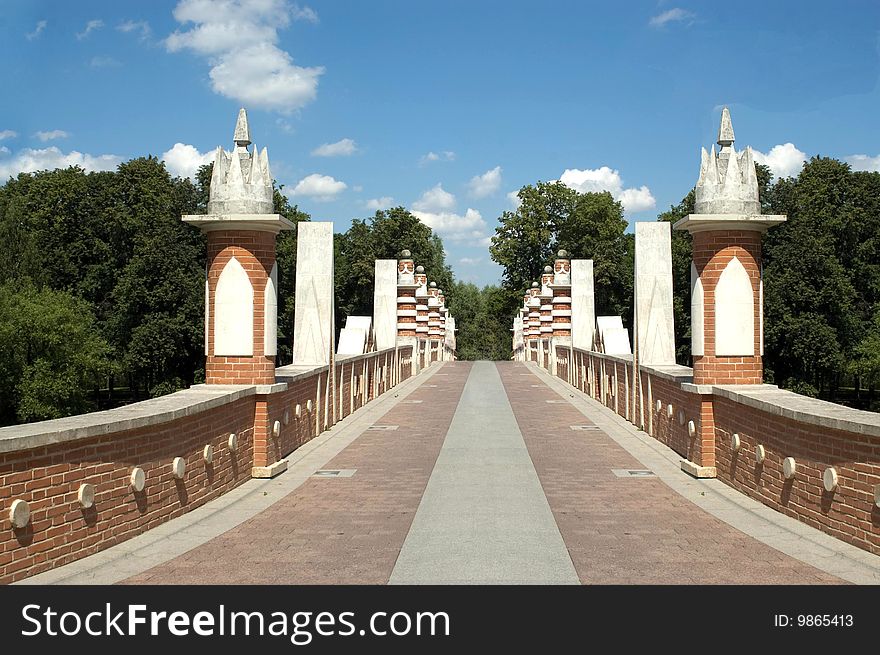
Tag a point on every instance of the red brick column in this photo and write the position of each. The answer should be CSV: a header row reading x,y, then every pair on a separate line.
x,y
712,251
255,251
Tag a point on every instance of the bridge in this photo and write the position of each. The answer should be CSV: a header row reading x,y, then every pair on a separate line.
x,y
589,458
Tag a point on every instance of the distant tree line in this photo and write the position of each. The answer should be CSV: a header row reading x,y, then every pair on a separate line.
x,y
101,283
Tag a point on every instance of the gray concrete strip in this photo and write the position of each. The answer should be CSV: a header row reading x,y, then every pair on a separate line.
x,y
484,518
212,519
785,534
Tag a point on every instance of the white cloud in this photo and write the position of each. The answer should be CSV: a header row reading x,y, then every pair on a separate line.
x,y
435,199
239,39
30,160
342,148
455,227
486,184
4,150
596,180
7,134
864,162
183,160
784,160
104,62
513,199
446,155
91,26
141,26
470,261
51,134
304,13
41,25
377,204
637,200
676,14
321,188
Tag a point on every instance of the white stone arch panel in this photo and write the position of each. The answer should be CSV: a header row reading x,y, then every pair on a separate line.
x,y
270,314
734,312
207,315
234,312
761,311
697,313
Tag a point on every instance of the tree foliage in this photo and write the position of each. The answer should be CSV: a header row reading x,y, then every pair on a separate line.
x,y
481,335
383,236
553,217
52,355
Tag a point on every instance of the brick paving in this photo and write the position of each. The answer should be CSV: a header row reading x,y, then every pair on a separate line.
x,y
631,530
335,530
616,530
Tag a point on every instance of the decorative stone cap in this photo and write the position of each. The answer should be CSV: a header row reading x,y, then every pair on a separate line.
x,y
274,223
709,222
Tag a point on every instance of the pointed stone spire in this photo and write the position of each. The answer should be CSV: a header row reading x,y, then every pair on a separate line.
x,y
725,130
242,135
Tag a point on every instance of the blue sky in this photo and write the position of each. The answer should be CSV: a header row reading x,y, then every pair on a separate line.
x,y
444,107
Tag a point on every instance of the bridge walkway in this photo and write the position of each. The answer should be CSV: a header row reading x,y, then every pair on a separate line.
x,y
484,472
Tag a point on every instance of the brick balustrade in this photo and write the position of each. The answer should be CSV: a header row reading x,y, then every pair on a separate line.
x,y
45,464
699,423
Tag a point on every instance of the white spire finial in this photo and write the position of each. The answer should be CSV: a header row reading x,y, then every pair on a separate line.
x,y
242,135
725,130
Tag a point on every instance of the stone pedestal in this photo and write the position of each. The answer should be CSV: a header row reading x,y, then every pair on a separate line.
x,y
385,303
313,331
655,333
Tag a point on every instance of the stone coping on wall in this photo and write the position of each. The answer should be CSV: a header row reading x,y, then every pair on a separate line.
x,y
187,402
802,409
671,372
768,398
196,399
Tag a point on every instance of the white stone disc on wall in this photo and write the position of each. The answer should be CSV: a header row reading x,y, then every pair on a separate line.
x,y
19,513
829,479
138,479
789,468
86,495
760,454
734,312
234,312
270,314
178,467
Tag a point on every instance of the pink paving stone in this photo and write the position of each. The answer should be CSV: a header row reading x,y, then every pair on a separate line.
x,y
625,531
335,530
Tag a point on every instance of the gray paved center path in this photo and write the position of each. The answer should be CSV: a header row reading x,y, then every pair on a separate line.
x,y
484,518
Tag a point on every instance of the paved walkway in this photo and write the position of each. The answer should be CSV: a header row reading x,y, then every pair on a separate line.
x,y
484,518
467,474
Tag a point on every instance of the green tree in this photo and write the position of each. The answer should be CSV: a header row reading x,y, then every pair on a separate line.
x,y
480,333
52,356
551,217
383,236
812,318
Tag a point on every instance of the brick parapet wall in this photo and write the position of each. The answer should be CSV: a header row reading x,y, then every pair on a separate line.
x,y
48,475
850,513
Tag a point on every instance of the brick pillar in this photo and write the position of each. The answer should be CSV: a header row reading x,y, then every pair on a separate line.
x,y
254,251
406,298
561,287
713,254
534,335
